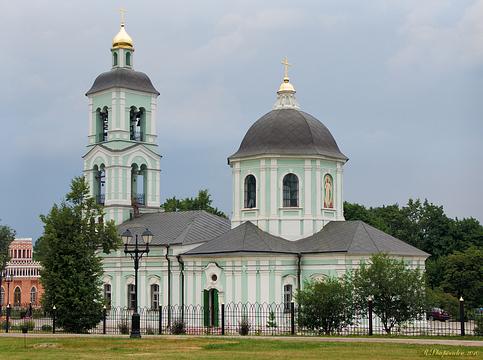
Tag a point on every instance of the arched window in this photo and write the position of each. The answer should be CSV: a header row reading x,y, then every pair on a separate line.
x,y
290,190
137,124
328,189
107,295
287,297
128,58
33,295
250,192
2,296
102,123
139,184
131,297
100,183
154,296
114,59
17,296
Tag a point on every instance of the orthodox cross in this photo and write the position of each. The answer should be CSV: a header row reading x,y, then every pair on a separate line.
x,y
286,64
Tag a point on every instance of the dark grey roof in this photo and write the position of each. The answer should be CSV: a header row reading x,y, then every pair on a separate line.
x,y
125,78
245,238
355,237
181,228
288,132
349,237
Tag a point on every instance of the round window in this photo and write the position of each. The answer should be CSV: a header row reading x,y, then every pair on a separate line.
x,y
214,277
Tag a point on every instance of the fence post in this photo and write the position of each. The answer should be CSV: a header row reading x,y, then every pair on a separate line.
x,y
104,317
222,319
292,318
160,320
369,303
53,318
7,325
462,316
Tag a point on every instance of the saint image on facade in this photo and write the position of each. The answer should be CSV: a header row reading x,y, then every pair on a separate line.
x,y
328,192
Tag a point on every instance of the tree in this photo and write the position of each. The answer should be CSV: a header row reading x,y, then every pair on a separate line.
x,y
325,306
6,237
202,202
397,290
463,275
271,321
439,299
71,269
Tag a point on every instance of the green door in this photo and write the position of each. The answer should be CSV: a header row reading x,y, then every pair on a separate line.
x,y
210,307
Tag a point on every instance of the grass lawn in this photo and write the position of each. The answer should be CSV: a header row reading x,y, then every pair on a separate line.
x,y
214,348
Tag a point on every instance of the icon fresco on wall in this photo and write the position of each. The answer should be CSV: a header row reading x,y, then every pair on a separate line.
x,y
328,192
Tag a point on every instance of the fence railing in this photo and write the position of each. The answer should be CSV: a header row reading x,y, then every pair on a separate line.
x,y
237,319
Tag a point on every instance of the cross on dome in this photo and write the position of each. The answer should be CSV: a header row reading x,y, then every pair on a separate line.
x,y
286,65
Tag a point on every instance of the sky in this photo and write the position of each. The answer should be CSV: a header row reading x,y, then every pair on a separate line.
x,y
399,83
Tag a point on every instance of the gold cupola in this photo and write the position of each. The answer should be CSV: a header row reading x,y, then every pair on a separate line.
x,y
286,92
122,40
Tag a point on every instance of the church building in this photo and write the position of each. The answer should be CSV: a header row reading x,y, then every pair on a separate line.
x,y
287,224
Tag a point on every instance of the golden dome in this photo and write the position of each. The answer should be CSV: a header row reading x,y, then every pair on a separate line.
x,y
122,40
286,86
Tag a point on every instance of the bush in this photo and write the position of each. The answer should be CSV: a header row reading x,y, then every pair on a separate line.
x,y
3,325
438,299
479,326
46,327
244,327
326,306
123,327
178,327
29,325
149,331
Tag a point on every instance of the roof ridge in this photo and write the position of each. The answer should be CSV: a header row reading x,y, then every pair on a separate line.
x,y
368,234
308,126
187,229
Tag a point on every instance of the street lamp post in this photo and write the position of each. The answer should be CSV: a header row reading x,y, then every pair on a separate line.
x,y
2,297
136,254
8,280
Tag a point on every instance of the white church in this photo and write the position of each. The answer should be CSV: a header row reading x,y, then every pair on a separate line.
x,y
287,223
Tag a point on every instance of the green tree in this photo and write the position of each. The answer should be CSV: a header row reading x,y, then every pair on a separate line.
x,y
325,306
6,237
271,321
463,275
398,291
71,269
439,299
201,202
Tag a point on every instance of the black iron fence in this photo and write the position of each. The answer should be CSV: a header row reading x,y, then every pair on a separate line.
x,y
239,319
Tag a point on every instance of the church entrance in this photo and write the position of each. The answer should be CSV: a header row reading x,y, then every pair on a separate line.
x,y
210,307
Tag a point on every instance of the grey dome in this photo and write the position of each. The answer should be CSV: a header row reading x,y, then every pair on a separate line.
x,y
124,78
288,132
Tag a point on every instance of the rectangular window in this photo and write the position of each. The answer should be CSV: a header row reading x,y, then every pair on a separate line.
x,y
287,298
107,295
154,296
131,297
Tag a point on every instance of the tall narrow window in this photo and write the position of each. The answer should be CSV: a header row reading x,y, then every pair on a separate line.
x,y
100,183
250,192
128,59
154,296
102,123
2,296
137,124
290,190
114,59
17,296
33,295
107,295
131,297
287,297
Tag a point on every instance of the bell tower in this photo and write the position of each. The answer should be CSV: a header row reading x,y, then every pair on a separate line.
x,y
122,164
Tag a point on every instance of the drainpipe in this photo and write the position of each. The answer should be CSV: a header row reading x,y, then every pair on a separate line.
x,y
181,263
299,271
169,285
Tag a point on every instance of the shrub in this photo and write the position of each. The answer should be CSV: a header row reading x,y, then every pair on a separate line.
x,y
178,327
149,331
3,325
29,325
243,327
479,326
46,327
123,327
